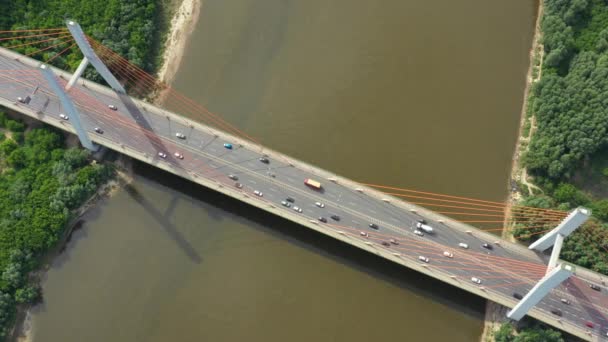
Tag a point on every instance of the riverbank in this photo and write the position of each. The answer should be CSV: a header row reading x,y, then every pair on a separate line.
x,y
24,327
518,182
183,22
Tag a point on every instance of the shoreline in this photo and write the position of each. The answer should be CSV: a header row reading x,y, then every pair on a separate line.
x,y
183,23
495,313
23,330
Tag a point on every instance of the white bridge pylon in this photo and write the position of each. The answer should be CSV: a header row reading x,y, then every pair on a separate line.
x,y
556,274
90,57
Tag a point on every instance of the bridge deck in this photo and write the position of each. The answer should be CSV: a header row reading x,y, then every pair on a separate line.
x,y
141,130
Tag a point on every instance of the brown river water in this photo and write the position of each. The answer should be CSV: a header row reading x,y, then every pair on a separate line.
x,y
411,93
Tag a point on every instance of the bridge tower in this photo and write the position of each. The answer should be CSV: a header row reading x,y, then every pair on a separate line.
x,y
556,274
90,57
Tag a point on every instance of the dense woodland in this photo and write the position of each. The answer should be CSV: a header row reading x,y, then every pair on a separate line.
x,y
570,103
41,183
131,28
531,333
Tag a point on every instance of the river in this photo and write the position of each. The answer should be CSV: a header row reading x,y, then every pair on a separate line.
x,y
416,94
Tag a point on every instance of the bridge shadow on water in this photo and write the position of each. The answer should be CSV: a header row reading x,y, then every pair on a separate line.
x,y
225,207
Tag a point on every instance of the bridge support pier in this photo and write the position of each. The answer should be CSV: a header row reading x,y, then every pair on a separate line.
x,y
83,65
550,281
69,107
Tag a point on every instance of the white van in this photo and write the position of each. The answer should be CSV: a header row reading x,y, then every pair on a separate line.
x,y
424,227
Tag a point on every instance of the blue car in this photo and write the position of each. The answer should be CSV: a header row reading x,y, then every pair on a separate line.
x,y
228,146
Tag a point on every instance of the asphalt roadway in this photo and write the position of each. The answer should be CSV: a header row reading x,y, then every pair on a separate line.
x,y
503,271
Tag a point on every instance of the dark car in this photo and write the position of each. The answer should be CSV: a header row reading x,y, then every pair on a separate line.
x,y
589,324
233,177
322,219
595,287
384,243
487,246
373,226
517,295
335,217
290,199
557,312
98,130
264,160
423,221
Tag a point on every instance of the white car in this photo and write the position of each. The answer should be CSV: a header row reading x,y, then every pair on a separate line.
x,y
463,245
423,259
180,135
476,280
258,193
320,205
25,100
162,155
298,209
418,232
178,155
393,241
112,107
364,234
448,254
63,116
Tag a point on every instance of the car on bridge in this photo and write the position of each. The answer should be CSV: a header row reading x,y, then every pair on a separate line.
x,y
393,241
423,259
335,217
63,116
258,193
285,204
517,295
233,177
364,234
320,205
322,219
228,146
162,155
463,245
487,246
264,160
25,100
180,135
424,227
98,130
178,155
595,287
374,226
448,254
238,185
298,209
112,107
418,232
476,280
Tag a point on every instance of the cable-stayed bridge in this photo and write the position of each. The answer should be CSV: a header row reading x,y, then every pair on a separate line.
x,y
195,144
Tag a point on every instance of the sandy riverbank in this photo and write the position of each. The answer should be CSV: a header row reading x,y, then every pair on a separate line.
x,y
496,313
182,24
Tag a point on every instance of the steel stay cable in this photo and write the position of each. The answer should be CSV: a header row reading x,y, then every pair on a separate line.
x,y
478,209
449,196
50,47
221,126
36,30
440,200
37,35
60,53
492,215
37,42
128,66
